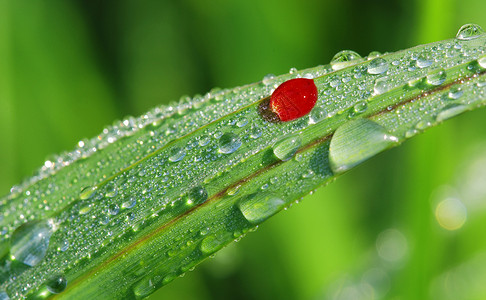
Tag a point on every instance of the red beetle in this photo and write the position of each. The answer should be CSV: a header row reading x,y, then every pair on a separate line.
x,y
294,99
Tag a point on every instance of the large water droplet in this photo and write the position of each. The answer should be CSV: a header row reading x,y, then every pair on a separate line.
x,y
382,85
129,202
177,154
229,143
451,111
378,66
197,195
424,60
455,92
110,190
344,59
469,32
436,77
30,240
144,287
355,142
256,208
56,284
317,114
482,62
287,147
211,244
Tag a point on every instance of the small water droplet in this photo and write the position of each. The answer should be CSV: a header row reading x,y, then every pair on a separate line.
x,y
242,122
197,195
204,140
29,242
382,85
258,207
110,190
56,284
455,92
177,154
293,70
255,132
113,209
360,107
267,79
344,59
129,203
451,111
377,66
355,142
286,148
229,143
436,77
469,32
87,192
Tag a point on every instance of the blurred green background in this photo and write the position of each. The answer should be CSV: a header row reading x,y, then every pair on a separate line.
x,y
408,224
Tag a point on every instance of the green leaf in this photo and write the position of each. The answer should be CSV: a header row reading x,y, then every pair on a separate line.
x,y
149,198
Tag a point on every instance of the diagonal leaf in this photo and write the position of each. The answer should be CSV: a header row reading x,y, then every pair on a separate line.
x,y
149,198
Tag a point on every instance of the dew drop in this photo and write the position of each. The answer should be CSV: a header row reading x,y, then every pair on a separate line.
x,y
360,107
143,288
469,32
455,92
242,122
317,114
197,195
129,203
382,85
482,62
113,209
424,60
377,66
355,142
436,77
344,59
451,111
87,192
177,154
258,207
110,190
229,143
255,132
204,140
286,148
64,245
30,240
56,284
211,244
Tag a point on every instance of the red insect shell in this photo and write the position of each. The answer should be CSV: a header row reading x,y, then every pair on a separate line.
x,y
293,99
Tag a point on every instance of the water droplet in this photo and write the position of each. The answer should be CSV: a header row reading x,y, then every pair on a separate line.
x,y
355,142
436,77
469,32
360,107
204,140
382,85
293,70
286,148
255,132
30,240
64,245
317,114
377,66
451,111
455,92
256,208
424,60
56,284
110,190
113,209
211,244
229,143
87,192
177,154
267,79
197,195
482,62
129,203
344,59
242,122
143,288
